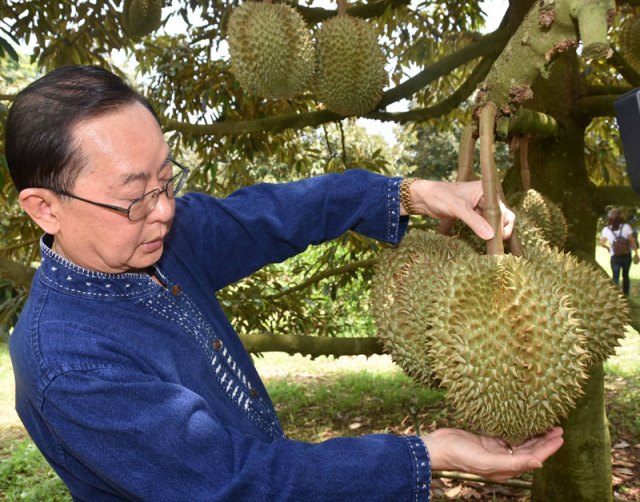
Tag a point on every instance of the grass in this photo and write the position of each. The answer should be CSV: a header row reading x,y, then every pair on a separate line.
x,y
327,397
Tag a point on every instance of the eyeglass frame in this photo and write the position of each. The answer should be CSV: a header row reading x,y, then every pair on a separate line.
x,y
181,176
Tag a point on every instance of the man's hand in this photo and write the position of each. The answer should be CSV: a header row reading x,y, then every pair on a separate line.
x,y
491,458
463,200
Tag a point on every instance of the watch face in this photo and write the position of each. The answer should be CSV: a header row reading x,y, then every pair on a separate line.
x,y
628,117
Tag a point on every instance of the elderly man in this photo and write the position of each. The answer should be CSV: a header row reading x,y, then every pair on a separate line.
x,y
129,377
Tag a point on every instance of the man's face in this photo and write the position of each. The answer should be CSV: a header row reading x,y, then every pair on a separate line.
x,y
126,156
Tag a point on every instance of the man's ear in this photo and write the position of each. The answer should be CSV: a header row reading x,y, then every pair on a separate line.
x,y
43,206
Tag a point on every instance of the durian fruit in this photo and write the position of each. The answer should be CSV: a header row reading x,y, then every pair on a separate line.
x,y
506,344
544,214
602,308
422,255
529,234
630,41
462,231
141,17
351,74
271,48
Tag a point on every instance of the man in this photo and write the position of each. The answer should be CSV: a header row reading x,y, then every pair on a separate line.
x,y
129,378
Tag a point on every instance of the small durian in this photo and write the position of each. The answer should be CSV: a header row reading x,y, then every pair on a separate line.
x,y
529,234
602,308
271,49
543,213
351,73
630,41
141,17
421,255
506,344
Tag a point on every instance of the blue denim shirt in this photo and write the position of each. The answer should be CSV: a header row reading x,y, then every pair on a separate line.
x,y
135,391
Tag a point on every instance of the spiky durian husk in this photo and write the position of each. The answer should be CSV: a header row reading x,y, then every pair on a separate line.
x,y
544,214
603,310
271,50
421,254
351,72
506,345
528,233
462,231
630,41
141,17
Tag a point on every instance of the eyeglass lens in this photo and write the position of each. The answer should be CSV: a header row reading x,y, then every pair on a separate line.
x,y
143,206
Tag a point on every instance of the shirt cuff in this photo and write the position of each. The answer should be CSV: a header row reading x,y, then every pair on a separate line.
x,y
423,468
396,225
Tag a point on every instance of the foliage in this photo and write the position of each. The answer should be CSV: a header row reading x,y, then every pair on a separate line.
x,y
432,49
25,475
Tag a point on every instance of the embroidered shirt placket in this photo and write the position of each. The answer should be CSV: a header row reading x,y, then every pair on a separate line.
x,y
182,311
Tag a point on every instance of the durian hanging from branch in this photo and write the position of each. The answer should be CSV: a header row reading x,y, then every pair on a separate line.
x,y
141,17
271,49
510,338
351,74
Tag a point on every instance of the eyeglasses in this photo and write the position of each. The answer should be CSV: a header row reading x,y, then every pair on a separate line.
x,y
142,206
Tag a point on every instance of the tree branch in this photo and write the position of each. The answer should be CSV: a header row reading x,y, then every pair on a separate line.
x,y
595,106
350,267
448,104
599,90
625,69
19,274
617,195
313,346
461,476
489,44
365,11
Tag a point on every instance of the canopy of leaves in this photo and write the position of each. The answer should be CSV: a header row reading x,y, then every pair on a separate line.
x,y
436,56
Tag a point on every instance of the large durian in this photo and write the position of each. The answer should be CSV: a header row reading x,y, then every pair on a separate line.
x,y
141,17
630,41
507,345
271,48
543,213
351,74
422,254
603,310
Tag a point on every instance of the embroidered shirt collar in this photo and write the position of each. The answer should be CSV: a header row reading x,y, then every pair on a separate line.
x,y
66,276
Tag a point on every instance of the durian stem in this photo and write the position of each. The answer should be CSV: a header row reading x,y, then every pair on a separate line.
x,y
515,245
525,172
466,150
342,7
490,181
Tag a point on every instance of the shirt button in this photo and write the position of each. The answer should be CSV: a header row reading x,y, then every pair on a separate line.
x,y
217,344
176,290
254,392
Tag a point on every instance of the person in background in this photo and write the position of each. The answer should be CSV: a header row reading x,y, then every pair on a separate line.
x,y
129,377
617,236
